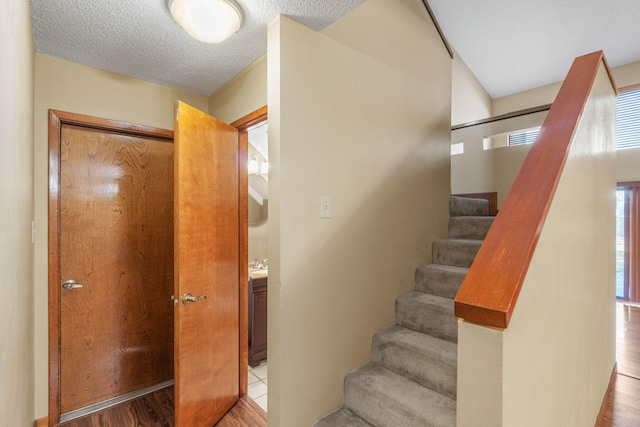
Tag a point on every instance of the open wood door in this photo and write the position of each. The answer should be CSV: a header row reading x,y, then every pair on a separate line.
x,y
207,268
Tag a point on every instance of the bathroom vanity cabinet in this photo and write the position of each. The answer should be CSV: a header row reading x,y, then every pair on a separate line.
x,y
257,321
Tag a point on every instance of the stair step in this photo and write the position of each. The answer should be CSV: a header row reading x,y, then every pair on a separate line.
x,y
427,360
469,227
429,314
457,252
386,399
467,206
342,418
439,279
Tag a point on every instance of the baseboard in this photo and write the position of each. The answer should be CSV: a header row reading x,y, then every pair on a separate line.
x,y
41,422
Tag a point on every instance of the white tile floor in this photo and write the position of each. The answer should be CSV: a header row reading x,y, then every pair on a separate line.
x,y
258,384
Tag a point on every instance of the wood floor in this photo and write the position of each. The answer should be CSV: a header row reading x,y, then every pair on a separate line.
x,y
621,406
156,410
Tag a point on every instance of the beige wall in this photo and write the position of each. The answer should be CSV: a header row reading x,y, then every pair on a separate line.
x,y
360,113
494,170
243,94
478,170
75,88
557,354
16,211
624,75
469,100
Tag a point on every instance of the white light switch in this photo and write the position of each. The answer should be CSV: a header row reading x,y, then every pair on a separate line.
x,y
325,206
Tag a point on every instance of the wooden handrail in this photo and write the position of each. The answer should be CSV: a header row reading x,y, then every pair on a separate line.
x,y
489,292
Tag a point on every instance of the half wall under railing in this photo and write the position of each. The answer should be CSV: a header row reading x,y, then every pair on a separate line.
x,y
547,359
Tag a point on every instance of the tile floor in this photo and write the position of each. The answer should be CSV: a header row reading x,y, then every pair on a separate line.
x,y
258,384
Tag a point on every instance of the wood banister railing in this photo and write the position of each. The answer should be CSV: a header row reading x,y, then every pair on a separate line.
x,y
489,292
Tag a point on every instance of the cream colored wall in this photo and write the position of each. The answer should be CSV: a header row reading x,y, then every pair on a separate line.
x,y
360,113
478,170
624,75
16,211
469,100
495,170
558,352
76,88
628,165
243,94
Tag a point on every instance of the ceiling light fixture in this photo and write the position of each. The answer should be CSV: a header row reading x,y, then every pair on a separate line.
x,y
210,21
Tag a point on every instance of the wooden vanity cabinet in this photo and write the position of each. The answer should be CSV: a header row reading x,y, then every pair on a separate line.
x,y
257,321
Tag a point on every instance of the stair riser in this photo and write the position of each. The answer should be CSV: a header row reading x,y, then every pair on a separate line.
x,y
469,227
434,367
434,321
437,282
452,252
462,206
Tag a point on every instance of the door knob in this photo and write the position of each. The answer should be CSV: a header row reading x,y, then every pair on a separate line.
x,y
71,284
188,298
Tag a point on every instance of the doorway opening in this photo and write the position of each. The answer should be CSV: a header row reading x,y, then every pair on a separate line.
x,y
255,127
628,241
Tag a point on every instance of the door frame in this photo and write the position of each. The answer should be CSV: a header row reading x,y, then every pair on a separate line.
x,y
631,240
243,124
59,118
56,120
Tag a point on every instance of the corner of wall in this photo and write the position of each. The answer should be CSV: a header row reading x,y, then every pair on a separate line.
x,y
16,199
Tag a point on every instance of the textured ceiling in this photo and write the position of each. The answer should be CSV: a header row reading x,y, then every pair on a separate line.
x,y
510,45
515,45
138,38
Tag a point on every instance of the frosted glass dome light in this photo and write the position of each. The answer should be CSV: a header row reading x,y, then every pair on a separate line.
x,y
210,21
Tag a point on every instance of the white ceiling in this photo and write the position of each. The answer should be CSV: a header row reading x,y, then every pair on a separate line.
x,y
515,45
510,45
138,38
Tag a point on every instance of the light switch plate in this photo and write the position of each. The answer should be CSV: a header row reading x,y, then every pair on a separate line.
x,y
325,206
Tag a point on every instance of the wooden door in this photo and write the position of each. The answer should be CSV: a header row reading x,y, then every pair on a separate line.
x,y
207,267
116,241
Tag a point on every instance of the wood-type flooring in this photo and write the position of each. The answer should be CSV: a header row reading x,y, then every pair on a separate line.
x,y
156,410
621,406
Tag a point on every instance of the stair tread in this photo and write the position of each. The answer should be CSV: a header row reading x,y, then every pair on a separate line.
x,y
446,268
422,358
446,304
342,418
461,241
386,399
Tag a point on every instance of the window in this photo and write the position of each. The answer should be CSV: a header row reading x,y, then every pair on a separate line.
x,y
628,119
524,137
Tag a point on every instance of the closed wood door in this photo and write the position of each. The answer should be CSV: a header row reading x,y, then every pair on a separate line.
x,y
116,241
207,267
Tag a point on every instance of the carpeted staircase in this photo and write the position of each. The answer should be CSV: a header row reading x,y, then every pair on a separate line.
x,y
411,381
